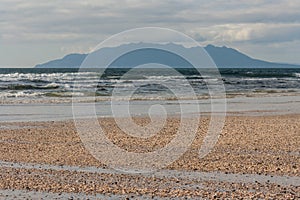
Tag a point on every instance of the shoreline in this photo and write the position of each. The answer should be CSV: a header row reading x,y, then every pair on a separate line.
x,y
244,106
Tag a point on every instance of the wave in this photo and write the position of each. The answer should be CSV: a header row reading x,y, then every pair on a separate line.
x,y
47,77
260,73
20,94
30,87
296,75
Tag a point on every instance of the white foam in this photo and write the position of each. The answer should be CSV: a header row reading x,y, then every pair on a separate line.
x,y
297,75
19,94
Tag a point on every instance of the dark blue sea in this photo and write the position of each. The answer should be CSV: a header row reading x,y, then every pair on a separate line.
x,y
58,84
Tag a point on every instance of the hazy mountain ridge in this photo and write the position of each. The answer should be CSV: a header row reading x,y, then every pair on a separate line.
x,y
222,56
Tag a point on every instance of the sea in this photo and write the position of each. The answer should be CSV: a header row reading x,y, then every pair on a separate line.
x,y
27,85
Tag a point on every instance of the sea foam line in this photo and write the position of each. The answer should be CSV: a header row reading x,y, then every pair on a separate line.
x,y
190,175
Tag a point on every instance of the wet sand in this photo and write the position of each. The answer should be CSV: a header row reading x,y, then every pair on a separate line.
x,y
255,157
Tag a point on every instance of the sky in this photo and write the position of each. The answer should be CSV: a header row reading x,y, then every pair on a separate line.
x,y
36,31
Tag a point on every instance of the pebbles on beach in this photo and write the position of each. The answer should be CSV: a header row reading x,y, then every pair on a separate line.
x,y
248,145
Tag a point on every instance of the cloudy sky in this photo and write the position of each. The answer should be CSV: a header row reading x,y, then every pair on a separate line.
x,y
35,31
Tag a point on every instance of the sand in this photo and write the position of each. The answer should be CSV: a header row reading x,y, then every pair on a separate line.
x,y
39,156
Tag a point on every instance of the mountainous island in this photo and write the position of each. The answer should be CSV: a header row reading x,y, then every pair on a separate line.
x,y
224,57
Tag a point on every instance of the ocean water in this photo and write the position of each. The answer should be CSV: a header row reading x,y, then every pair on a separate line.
x,y
26,85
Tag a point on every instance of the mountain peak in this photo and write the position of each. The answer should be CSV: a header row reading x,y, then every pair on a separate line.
x,y
210,46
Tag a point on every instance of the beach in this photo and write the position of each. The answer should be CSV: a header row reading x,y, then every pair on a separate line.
x,y
255,157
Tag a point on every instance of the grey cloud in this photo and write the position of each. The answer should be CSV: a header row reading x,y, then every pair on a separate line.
x,y
282,33
254,33
75,22
64,17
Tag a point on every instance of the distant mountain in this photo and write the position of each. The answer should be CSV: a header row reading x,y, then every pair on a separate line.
x,y
69,61
229,57
222,56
